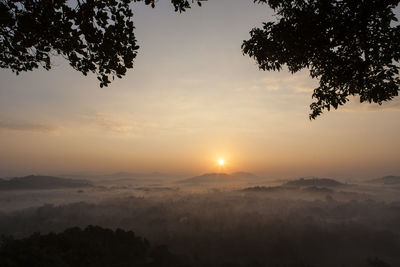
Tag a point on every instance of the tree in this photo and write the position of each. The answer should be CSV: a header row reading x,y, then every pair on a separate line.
x,y
91,247
351,46
93,35
377,263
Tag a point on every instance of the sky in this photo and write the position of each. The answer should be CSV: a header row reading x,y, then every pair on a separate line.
x,y
191,99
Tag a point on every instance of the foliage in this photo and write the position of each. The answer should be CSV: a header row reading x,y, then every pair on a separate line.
x,y
93,35
377,263
351,46
91,247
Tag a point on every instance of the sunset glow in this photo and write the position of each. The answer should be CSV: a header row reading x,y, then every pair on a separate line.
x,y
202,110
191,133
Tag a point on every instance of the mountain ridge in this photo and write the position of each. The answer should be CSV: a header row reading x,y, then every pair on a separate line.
x,y
387,180
218,177
314,182
39,182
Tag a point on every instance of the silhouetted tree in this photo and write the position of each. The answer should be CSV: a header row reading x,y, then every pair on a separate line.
x,y
377,263
93,35
91,247
351,46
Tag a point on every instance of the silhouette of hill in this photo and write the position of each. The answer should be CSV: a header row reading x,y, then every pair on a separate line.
x,y
218,178
205,178
137,175
318,182
318,189
124,177
264,189
247,175
387,180
37,182
271,189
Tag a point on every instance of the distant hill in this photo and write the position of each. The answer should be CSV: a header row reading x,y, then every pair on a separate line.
x,y
319,190
134,175
205,178
387,180
246,175
125,177
38,182
219,178
273,189
319,182
268,189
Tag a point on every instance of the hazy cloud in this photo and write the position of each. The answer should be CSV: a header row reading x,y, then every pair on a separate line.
x,y
130,125
391,105
355,106
26,126
299,83
118,124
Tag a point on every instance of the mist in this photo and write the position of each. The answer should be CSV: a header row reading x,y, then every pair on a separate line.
x,y
220,219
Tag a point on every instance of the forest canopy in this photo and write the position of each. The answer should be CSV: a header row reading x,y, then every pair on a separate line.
x,y
92,247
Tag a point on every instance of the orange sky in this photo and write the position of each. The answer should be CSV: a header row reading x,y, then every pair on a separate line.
x,y
191,99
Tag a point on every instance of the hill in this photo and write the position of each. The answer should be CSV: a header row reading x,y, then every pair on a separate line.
x,y
387,180
219,178
268,189
320,182
38,182
205,178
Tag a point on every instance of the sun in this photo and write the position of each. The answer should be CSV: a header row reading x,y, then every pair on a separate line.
x,y
221,162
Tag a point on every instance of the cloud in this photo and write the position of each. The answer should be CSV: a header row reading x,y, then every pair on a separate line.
x,y
118,124
393,105
126,124
24,126
300,83
355,106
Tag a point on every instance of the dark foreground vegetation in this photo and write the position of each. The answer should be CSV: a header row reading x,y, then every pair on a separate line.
x,y
92,247
311,222
224,231
97,247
